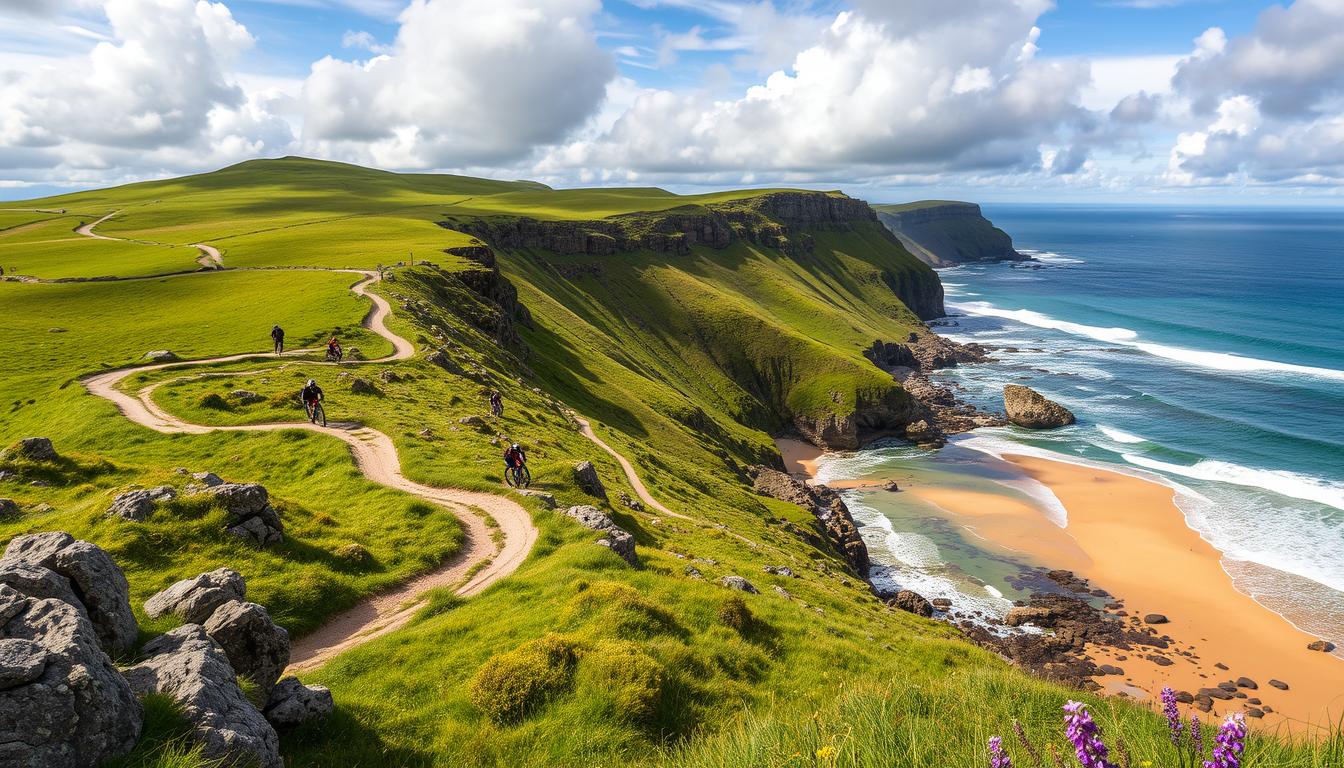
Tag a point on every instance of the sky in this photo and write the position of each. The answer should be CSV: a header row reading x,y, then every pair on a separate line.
x,y
1107,101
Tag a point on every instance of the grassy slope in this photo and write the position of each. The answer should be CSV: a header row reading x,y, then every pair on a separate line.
x,y
654,351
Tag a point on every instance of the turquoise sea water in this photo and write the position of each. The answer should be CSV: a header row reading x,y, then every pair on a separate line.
x,y
1204,348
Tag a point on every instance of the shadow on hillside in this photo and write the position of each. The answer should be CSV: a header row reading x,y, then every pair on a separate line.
x,y
343,739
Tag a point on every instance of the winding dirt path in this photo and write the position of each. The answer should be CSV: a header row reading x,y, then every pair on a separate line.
x,y
210,257
630,474
479,563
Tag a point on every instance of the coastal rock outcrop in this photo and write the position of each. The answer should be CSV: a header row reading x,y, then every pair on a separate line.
x,y
99,585
195,599
1028,408
939,413
833,518
913,602
188,666
944,233
614,537
62,702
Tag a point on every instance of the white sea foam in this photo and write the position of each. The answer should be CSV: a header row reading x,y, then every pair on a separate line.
x,y
1221,361
1120,436
1284,483
1050,257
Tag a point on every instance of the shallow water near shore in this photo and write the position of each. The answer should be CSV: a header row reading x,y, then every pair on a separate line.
x,y
1200,348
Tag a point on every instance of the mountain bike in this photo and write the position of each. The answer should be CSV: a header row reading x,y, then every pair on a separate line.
x,y
518,477
334,356
316,412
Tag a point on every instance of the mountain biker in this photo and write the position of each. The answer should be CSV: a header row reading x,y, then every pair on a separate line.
x,y
514,457
311,394
334,349
278,336
496,403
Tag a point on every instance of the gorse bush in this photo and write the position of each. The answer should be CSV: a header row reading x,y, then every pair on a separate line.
x,y
510,685
630,680
620,610
215,402
734,614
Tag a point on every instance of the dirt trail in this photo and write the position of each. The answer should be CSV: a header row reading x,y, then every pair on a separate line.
x,y
630,474
210,257
376,456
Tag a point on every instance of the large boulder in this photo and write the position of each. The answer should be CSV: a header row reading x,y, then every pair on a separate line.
x,y
189,667
257,649
62,702
585,474
9,509
826,505
618,539
738,583
292,703
137,505
39,582
100,585
250,515
913,602
1028,408
197,598
37,449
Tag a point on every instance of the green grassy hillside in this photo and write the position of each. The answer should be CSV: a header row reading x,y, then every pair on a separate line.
x,y
685,360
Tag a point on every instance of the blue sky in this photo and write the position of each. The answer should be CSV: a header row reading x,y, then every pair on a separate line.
x,y
1219,101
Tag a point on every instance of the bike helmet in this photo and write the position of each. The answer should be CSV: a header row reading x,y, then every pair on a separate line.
x,y
515,447
312,383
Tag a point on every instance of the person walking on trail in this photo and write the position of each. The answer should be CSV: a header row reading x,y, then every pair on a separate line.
x,y
497,403
278,336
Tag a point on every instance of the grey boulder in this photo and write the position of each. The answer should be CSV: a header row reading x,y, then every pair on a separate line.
x,y
37,449
616,538
913,602
62,702
738,583
585,474
257,649
293,703
1028,408
196,598
250,515
100,585
137,506
9,509
189,667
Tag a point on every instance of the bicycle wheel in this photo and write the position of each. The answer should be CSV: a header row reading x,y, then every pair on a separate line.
x,y
320,412
524,477
510,477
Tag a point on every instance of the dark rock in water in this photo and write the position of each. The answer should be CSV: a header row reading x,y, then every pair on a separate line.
x,y
99,583
1185,697
137,505
1246,682
1282,686
62,702
941,603
257,649
738,583
913,602
1154,618
1321,645
189,667
1111,669
1255,712
616,538
293,703
837,525
585,474
1028,408
37,449
196,598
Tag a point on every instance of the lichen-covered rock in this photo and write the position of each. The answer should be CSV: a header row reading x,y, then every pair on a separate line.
x,y
547,499
246,397
196,598
250,515
137,505
913,602
100,585
207,479
585,474
293,703
1028,408
62,702
618,539
738,583
37,449
39,582
189,667
162,356
257,648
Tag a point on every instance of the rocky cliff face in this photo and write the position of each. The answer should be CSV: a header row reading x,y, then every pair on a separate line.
x,y
947,234
877,412
833,517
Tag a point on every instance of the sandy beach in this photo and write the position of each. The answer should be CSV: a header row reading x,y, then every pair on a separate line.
x,y
1127,536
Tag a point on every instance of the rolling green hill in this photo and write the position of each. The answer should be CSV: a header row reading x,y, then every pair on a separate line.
x,y
688,330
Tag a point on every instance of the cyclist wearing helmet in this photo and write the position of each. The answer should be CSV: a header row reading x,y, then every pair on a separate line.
x,y
311,394
514,457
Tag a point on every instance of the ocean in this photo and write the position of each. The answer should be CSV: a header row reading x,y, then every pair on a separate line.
x,y
1203,348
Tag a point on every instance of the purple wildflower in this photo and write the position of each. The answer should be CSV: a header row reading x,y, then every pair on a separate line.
x,y
1173,715
1229,744
997,757
1083,732
1196,736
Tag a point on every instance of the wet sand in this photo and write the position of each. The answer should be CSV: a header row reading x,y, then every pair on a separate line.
x,y
1126,535
800,458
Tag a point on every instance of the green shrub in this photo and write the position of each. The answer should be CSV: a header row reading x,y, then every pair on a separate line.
x,y
620,610
628,678
215,402
734,614
510,685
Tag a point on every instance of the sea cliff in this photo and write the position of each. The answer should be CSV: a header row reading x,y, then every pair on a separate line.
x,y
946,233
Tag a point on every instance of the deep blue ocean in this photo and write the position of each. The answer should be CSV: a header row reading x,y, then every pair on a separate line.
x,y
1201,347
